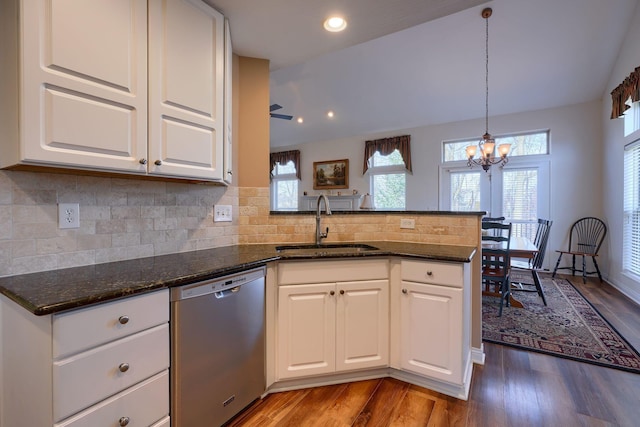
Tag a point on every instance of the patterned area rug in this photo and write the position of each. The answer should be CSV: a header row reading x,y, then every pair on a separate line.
x,y
568,327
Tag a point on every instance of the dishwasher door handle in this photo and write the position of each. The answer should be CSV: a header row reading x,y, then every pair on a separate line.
x,y
226,293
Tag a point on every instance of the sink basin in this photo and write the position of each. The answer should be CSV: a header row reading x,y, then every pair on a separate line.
x,y
338,248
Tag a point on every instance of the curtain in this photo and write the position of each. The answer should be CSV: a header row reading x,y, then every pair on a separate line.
x,y
629,88
284,157
386,146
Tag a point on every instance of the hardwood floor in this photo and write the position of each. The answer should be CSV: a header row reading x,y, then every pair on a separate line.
x,y
513,388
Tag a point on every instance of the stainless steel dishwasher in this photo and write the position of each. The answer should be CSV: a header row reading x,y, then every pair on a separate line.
x,y
217,348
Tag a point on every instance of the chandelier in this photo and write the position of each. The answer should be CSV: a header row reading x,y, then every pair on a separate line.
x,y
487,143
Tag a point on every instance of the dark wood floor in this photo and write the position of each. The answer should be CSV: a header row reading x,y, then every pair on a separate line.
x,y
513,388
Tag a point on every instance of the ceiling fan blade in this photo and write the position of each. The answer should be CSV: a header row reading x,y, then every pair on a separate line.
x,y
281,116
274,107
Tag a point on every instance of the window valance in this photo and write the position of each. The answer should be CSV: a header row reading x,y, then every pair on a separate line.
x,y
629,88
386,146
284,157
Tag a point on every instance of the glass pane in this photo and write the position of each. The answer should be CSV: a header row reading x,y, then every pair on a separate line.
x,y
388,191
392,159
457,150
284,169
527,144
465,191
286,195
520,200
631,215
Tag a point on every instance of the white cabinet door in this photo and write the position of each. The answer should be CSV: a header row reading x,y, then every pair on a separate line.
x,y
362,329
306,330
84,85
228,104
186,89
431,331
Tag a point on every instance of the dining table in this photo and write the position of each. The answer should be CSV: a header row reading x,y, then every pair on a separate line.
x,y
519,247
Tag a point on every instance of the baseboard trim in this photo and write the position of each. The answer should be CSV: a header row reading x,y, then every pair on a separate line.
x,y
477,355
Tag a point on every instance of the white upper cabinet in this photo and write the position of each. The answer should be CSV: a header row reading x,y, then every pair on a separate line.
x,y
82,95
84,84
186,89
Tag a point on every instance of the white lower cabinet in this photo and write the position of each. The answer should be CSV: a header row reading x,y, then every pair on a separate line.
x,y
105,365
433,317
347,320
324,328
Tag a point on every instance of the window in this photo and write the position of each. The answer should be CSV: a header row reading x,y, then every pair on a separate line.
x,y
284,187
388,181
631,226
519,191
525,144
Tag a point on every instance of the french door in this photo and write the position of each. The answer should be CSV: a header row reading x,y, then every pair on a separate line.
x,y
519,191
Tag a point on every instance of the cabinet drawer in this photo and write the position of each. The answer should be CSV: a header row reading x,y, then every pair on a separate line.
x,y
438,273
143,404
84,379
294,273
82,329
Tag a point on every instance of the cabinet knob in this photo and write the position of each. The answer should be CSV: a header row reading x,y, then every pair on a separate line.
x,y
124,367
143,161
229,172
158,162
429,273
123,421
341,291
332,293
404,291
123,320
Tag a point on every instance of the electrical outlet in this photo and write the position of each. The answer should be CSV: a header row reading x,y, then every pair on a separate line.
x,y
407,223
222,213
68,215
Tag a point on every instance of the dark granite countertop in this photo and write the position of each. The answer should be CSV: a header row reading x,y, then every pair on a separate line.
x,y
59,290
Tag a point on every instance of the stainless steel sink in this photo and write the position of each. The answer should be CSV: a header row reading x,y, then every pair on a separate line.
x,y
328,249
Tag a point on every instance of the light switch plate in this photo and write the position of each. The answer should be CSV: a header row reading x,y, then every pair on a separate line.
x,y
222,213
407,223
68,215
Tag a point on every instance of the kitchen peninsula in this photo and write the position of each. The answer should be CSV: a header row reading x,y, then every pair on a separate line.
x,y
42,295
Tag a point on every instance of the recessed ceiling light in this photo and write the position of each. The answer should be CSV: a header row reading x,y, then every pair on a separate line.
x,y
335,24
300,120
330,114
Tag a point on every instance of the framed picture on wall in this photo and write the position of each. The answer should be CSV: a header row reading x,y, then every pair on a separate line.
x,y
331,174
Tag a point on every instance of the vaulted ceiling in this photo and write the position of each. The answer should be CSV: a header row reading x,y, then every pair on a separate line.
x,y
407,63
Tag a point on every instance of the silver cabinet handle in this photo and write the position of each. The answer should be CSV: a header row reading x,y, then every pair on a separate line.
x,y
332,293
229,172
158,162
123,320
124,367
404,291
143,161
123,421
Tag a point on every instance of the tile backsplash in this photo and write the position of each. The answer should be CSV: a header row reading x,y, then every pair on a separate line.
x,y
120,218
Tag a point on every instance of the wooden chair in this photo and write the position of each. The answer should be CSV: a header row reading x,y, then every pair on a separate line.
x,y
585,238
535,263
496,262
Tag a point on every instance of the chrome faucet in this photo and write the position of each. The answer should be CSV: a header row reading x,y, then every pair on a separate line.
x,y
327,209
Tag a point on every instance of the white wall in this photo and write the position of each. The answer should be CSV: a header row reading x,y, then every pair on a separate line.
x,y
613,158
576,170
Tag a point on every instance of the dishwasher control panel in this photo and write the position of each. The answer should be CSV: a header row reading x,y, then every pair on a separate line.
x,y
216,285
